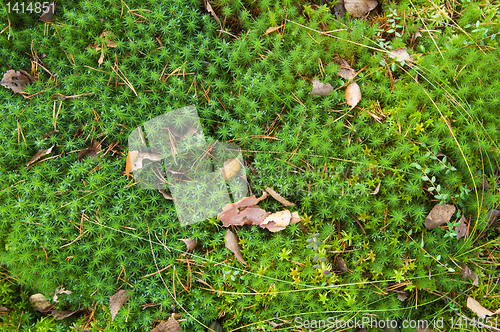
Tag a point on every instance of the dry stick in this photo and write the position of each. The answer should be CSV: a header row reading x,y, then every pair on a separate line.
x,y
362,228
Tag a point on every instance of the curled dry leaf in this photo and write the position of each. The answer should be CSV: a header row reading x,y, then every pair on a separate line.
x,y
39,155
468,274
277,221
376,189
321,89
233,245
439,215
345,70
231,168
171,325
278,197
116,302
360,8
209,9
39,302
461,229
478,309
16,80
48,13
353,94
401,54
190,244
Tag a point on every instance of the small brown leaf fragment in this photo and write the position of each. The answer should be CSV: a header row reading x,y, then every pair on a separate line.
x,y
468,274
61,314
341,265
461,229
414,38
439,215
401,54
59,290
352,94
135,159
165,194
3,309
209,9
39,155
477,308
359,8
91,152
295,218
39,302
116,302
190,244
278,197
321,89
16,80
339,9
48,13
131,156
171,325
402,296
231,168
232,244
376,189
345,71
272,29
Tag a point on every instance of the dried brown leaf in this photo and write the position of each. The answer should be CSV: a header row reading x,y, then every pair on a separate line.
x,y
477,308
190,244
352,94
39,302
117,301
376,189
345,71
3,309
278,197
39,155
401,54
171,325
243,212
468,274
209,9
277,221
321,89
16,80
233,245
48,13
135,159
461,229
61,314
439,215
231,168
359,8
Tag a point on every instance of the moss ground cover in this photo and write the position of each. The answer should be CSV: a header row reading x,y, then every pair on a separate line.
x,y
364,180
